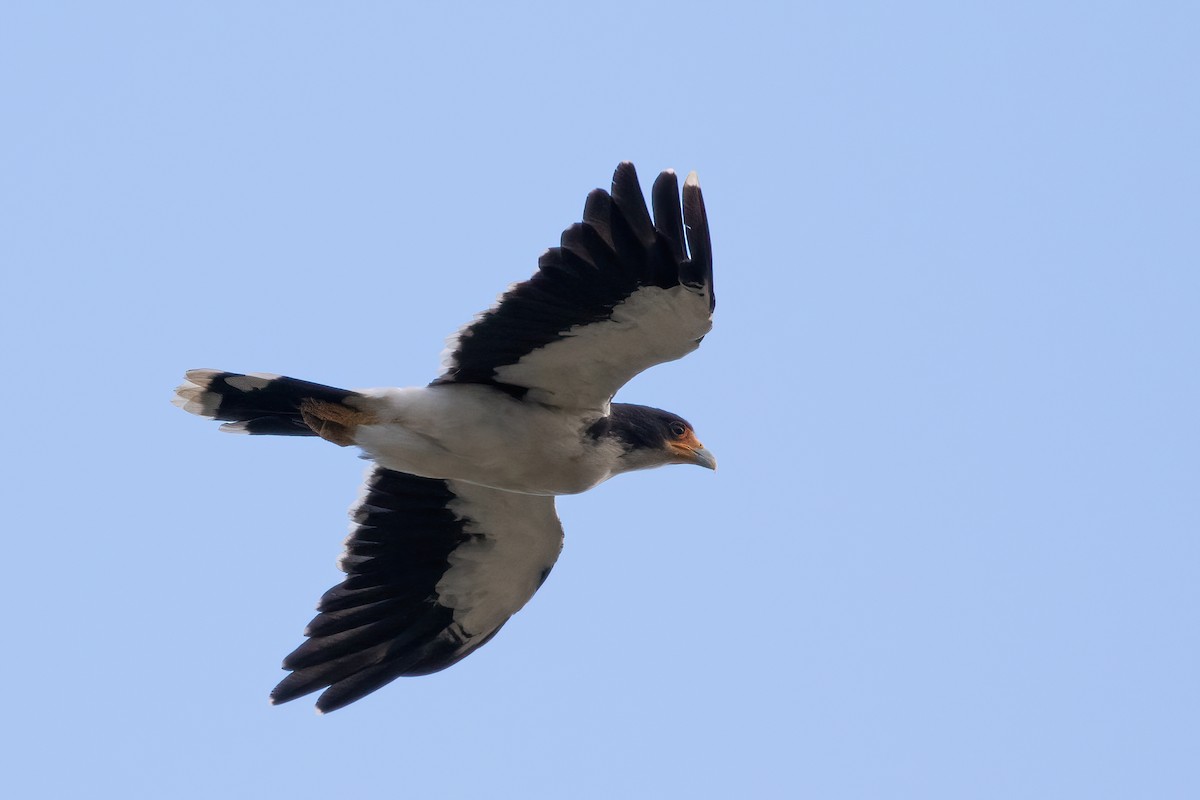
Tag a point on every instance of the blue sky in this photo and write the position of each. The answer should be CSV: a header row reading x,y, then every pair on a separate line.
x,y
952,548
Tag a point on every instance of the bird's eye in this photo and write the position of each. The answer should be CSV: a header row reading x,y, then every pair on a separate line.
x,y
678,430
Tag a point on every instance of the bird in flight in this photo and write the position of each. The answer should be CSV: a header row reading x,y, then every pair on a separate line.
x,y
455,528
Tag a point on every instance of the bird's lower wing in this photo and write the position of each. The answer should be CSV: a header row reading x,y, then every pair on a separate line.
x,y
434,568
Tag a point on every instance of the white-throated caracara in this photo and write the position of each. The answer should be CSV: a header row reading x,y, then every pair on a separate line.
x,y
456,527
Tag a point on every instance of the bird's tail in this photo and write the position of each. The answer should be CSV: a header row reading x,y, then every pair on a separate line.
x,y
260,403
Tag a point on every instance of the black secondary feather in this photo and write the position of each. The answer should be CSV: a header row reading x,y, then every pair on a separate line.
x,y
385,615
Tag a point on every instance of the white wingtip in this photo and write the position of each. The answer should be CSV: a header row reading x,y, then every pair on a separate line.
x,y
692,179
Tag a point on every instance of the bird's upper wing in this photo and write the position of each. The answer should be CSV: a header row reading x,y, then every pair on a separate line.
x,y
621,293
434,568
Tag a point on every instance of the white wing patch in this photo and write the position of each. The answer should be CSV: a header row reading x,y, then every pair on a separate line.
x,y
492,576
589,363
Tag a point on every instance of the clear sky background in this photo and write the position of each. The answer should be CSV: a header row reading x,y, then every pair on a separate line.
x,y
952,549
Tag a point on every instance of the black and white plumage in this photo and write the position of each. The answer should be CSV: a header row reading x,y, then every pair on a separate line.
x,y
456,527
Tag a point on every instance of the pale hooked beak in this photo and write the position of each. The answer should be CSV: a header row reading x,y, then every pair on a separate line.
x,y
703,458
688,450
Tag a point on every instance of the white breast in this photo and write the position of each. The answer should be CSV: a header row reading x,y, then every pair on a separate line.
x,y
481,435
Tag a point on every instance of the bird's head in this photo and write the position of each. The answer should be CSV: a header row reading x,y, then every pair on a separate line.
x,y
651,437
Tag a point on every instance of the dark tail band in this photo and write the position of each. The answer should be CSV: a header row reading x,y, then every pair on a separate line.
x,y
257,403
